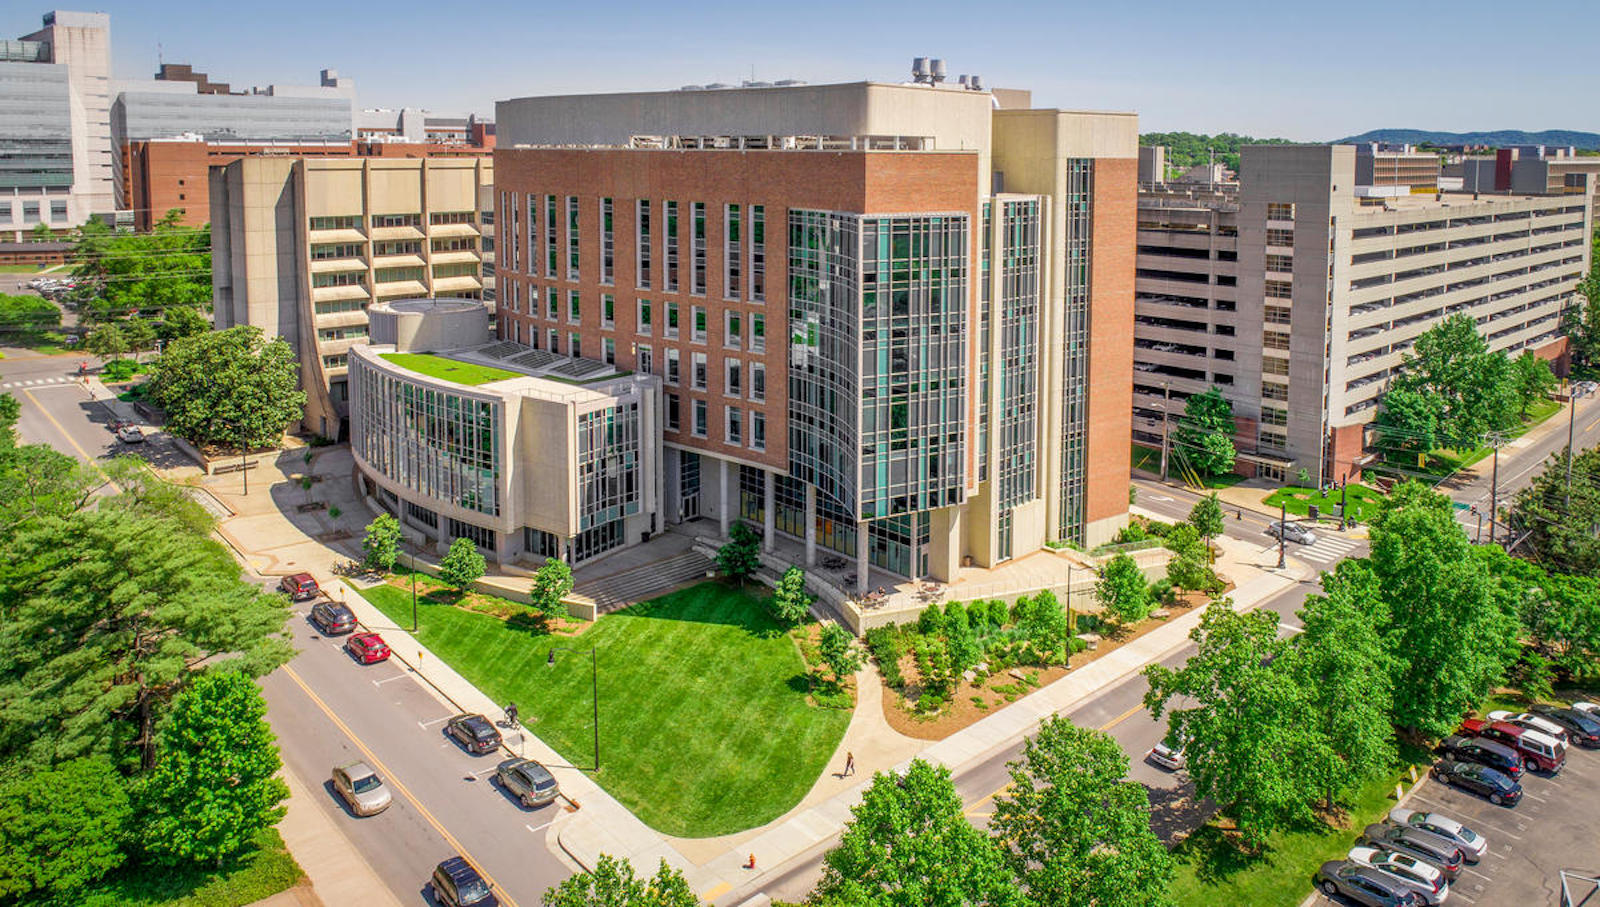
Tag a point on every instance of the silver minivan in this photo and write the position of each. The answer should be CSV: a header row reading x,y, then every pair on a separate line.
x,y
1293,532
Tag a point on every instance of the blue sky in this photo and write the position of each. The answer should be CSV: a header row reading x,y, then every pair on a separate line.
x,y
1308,71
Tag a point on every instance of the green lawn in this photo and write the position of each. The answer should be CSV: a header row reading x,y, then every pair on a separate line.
x,y
1362,501
1443,462
1149,460
1210,870
704,724
261,873
449,369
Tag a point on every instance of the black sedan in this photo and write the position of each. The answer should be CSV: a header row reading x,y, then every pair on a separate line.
x,y
1582,727
1480,779
333,618
1497,756
474,732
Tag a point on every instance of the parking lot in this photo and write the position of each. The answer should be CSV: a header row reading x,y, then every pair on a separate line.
x,y
1555,827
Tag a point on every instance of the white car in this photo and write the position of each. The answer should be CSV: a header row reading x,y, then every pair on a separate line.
x,y
1473,845
1293,532
1166,757
1592,708
1532,722
130,434
1427,881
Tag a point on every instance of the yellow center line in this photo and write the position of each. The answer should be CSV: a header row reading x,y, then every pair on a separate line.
x,y
977,804
1591,425
59,427
376,763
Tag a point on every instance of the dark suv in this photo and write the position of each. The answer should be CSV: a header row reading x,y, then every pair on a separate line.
x,y
300,587
332,618
1480,779
1582,728
1496,755
474,733
528,781
457,884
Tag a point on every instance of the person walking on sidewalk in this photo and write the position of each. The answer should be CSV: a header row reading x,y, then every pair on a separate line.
x,y
849,764
511,714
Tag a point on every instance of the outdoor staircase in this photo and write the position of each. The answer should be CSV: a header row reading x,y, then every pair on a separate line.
x,y
619,590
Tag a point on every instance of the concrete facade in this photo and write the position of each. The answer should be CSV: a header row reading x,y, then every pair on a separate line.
x,y
301,247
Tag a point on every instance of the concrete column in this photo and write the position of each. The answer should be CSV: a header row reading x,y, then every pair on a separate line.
x,y
769,512
505,544
811,525
722,497
863,560
916,547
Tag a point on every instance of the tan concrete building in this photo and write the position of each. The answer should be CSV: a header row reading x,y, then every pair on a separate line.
x,y
302,246
891,320
1299,291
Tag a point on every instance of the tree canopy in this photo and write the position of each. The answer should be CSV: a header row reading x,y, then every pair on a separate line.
x,y
121,274
462,565
1475,389
1192,149
1561,518
740,556
227,387
612,883
1122,590
1205,433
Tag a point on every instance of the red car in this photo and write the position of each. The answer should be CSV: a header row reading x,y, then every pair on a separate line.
x,y
1538,752
368,648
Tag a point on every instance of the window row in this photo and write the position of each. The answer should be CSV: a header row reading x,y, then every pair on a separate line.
x,y
740,427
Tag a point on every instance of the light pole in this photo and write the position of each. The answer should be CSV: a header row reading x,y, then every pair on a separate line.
x,y
244,462
1494,487
1166,401
1572,418
1283,531
413,556
594,679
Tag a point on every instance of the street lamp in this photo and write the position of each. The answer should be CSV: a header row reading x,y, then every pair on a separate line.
x,y
413,556
594,679
1572,418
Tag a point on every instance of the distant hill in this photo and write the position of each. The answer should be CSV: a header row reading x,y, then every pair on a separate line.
x,y
1498,137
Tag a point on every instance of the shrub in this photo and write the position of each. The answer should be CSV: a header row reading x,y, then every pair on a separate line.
x,y
1161,591
1133,532
334,511
1076,645
305,482
931,622
930,702
119,370
887,646
997,613
954,613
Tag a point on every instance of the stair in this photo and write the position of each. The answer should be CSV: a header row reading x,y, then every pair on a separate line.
x,y
619,590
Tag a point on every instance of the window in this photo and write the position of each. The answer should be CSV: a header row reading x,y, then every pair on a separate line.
x,y
646,360
5,211
337,222
1271,391
339,279
396,247
641,317
576,349
533,300
555,341
533,235
397,220
699,376
1277,314
758,381
758,333
352,332
453,244
1279,289
1271,365
672,247
444,217
552,242
671,331
30,212
340,305
641,243
699,314
1279,237
732,386
731,329
459,269
1274,340
1280,263
674,416
58,209
1270,416
758,253
698,288
608,310
552,305
700,418
574,306
608,350
572,237
672,365
337,360
1280,211
733,426
607,243
758,430
732,253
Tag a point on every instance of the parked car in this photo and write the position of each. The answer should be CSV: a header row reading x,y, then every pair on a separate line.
x,y
1426,846
130,434
475,733
1496,755
300,587
1363,885
456,883
1582,727
360,787
1473,845
1427,881
367,648
332,618
528,781
1167,757
1480,779
1588,708
1531,722
1538,752
1293,532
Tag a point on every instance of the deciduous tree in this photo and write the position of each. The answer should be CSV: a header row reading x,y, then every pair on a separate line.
x,y
909,842
1206,517
1075,831
551,583
61,827
381,543
1123,591
461,566
838,650
228,387
740,557
1561,517
107,341
1409,420
790,603
214,784
1205,433
122,273
1533,380
612,883
1476,393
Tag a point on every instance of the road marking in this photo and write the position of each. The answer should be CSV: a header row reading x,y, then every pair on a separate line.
x,y
721,889
375,762
1530,794
973,809
1591,425
536,830
379,683
1123,717
1447,808
70,439
424,725
487,771
1476,873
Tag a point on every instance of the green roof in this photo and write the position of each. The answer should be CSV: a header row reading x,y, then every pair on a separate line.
x,y
467,373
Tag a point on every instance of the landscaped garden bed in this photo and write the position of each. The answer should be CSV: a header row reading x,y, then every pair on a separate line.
x,y
1363,502
708,724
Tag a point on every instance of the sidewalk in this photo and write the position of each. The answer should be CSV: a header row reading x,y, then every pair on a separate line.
x,y
338,873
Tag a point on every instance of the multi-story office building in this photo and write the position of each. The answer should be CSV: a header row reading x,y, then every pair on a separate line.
x,y
1378,164
1298,291
55,123
892,320
526,453
302,246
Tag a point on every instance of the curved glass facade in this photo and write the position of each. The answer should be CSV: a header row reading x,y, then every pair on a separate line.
x,y
441,445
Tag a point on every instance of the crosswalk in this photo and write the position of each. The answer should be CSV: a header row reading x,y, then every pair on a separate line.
x,y
1328,549
39,382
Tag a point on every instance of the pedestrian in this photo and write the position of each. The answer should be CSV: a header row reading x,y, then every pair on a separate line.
x,y
849,763
511,714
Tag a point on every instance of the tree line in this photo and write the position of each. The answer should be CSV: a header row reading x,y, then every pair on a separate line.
x,y
1193,149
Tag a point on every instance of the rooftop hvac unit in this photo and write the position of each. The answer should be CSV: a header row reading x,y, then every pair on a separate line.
x,y
786,83
919,70
975,83
693,88
749,84
713,86
938,69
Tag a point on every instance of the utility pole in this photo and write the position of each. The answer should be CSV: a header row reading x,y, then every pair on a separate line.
x,y
1283,531
1572,418
1166,400
1494,487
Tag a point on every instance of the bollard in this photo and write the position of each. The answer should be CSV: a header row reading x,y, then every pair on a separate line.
x,y
1413,774
1397,791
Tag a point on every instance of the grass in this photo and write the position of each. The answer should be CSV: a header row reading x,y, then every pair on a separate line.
x,y
20,269
1443,461
261,873
467,373
704,724
1211,870
1363,502
1149,460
